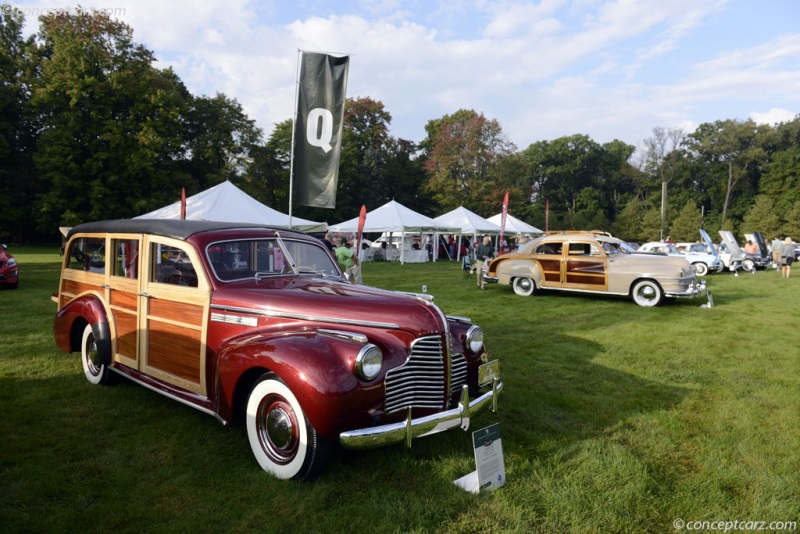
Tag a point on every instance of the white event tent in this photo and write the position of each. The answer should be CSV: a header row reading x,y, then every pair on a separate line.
x,y
468,223
514,225
394,218
227,203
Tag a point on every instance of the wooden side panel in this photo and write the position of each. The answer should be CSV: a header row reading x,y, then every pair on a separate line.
x,y
174,350
551,270
124,300
176,311
73,287
126,324
589,274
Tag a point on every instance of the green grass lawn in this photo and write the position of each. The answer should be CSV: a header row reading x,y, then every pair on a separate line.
x,y
615,418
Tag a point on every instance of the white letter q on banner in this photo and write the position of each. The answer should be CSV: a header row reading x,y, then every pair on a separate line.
x,y
319,129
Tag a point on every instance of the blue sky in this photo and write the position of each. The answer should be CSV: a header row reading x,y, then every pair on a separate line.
x,y
544,69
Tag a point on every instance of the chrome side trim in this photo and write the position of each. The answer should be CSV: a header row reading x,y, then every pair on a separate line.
x,y
234,319
459,319
341,334
303,317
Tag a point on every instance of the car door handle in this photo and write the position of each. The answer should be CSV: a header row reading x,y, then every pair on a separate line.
x,y
146,295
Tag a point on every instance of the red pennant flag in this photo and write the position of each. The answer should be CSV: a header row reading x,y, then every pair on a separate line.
x,y
362,218
183,203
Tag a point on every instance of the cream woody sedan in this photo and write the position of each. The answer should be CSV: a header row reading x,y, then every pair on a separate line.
x,y
593,262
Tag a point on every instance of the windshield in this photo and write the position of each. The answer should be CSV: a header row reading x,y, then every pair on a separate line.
x,y
261,258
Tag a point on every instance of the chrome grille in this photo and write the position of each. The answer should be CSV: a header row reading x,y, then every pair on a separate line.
x,y
420,381
458,372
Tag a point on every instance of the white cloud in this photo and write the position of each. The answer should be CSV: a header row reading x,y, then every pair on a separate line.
x,y
774,116
544,69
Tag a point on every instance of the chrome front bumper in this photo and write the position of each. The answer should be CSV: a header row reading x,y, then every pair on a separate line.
x,y
694,289
408,430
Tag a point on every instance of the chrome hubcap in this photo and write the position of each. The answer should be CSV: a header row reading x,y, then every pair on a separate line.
x,y
280,428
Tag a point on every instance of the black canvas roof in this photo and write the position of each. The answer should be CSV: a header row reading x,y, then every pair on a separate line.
x,y
175,228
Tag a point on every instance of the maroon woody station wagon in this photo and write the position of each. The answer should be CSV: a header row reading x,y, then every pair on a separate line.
x,y
257,322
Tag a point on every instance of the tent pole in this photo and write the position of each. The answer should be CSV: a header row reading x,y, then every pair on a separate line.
x,y
294,122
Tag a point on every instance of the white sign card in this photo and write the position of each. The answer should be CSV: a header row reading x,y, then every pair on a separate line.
x,y
491,472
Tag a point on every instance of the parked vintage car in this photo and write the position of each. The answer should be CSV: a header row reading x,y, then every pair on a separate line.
x,y
249,321
703,262
733,256
595,263
9,270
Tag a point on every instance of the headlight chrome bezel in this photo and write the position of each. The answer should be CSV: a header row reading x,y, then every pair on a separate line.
x,y
474,339
369,362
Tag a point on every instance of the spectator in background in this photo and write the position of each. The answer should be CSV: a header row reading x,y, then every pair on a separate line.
x,y
750,247
328,242
787,257
483,253
776,252
347,258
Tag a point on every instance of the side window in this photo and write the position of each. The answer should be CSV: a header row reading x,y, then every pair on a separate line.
x,y
127,260
88,254
171,265
594,251
549,248
579,249
237,260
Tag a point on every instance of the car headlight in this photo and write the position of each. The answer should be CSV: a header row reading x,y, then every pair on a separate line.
x,y
474,340
12,262
369,361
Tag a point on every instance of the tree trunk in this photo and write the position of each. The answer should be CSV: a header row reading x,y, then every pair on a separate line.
x,y
727,193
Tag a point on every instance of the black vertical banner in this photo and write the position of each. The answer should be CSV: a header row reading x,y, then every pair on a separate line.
x,y
318,132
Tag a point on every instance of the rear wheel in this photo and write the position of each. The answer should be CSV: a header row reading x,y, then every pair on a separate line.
x,y
748,265
284,443
524,287
647,293
91,357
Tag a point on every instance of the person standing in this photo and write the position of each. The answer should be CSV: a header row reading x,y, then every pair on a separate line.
x,y
328,243
483,253
787,257
777,244
348,261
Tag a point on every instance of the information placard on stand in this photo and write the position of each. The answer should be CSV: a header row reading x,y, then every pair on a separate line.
x,y
491,470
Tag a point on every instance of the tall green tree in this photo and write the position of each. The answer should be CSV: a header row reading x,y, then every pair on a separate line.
x,y
686,226
267,177
731,144
661,159
218,139
762,217
19,127
112,123
462,152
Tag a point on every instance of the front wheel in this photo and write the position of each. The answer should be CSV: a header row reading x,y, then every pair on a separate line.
x,y
748,265
647,293
524,287
284,443
700,268
91,357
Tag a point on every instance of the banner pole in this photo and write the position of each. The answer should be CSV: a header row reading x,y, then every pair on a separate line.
x,y
294,125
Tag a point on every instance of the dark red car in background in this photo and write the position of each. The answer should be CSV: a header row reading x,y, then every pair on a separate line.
x,y
9,271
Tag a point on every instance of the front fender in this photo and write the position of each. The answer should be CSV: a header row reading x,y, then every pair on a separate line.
x,y
318,369
88,307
